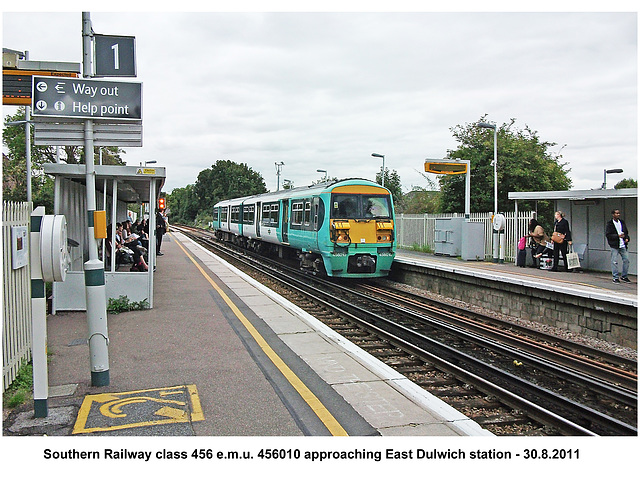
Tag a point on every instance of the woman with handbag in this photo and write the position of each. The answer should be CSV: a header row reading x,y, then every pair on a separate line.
x,y
561,237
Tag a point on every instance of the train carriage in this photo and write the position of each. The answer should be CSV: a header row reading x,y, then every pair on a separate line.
x,y
342,229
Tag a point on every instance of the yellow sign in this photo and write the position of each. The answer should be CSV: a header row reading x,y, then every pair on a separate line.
x,y
105,412
146,171
445,168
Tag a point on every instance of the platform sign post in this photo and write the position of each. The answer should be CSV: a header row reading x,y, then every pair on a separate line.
x,y
94,279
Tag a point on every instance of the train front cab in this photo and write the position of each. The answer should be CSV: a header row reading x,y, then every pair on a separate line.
x,y
360,240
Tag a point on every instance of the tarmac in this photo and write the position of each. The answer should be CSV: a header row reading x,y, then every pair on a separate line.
x,y
222,355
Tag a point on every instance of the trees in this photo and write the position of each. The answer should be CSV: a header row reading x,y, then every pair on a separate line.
x,y
225,179
626,183
392,182
524,164
14,165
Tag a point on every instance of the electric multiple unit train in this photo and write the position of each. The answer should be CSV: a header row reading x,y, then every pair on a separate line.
x,y
341,229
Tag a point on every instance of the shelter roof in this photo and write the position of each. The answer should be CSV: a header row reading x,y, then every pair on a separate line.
x,y
134,184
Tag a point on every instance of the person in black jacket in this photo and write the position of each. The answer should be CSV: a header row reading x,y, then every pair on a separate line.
x,y
561,226
161,229
618,238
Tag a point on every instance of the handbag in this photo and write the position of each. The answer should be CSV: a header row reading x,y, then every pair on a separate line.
x,y
573,261
557,237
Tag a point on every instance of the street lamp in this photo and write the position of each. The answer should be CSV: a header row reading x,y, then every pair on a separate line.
x,y
495,162
325,173
612,170
496,234
380,156
278,170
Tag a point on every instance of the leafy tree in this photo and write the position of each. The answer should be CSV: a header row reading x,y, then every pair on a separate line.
x,y
524,164
626,183
226,179
421,199
392,182
14,164
183,204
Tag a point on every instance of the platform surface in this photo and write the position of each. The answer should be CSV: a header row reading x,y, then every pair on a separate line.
x,y
222,355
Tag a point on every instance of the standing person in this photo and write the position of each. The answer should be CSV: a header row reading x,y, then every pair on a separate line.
x,y
618,238
561,226
161,228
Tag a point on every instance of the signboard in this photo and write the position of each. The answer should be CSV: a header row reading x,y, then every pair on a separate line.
x,y
86,99
445,168
115,56
16,84
56,133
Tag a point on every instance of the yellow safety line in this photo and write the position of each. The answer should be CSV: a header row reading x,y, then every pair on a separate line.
x,y
316,405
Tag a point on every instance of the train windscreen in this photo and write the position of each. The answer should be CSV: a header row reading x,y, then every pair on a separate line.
x,y
360,206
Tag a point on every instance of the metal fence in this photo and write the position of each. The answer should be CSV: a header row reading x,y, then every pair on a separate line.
x,y
418,231
16,297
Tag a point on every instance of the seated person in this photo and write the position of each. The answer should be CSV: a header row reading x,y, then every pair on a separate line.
x,y
540,241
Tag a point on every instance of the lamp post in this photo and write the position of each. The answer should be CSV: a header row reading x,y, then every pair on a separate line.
x,y
612,170
496,235
380,156
325,174
278,170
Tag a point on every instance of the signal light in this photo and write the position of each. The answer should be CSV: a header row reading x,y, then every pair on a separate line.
x,y
162,203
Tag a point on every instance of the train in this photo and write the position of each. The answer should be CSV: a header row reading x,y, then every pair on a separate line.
x,y
342,228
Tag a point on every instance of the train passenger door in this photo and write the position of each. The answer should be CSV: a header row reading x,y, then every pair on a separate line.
x,y
258,218
285,221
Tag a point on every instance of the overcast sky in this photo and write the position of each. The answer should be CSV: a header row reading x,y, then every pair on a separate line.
x,y
325,90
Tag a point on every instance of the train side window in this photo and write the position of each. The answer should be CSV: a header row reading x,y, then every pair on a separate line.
x,y
215,214
235,214
248,214
297,213
224,214
307,213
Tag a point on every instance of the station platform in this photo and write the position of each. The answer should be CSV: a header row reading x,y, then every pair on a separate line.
x,y
581,283
222,355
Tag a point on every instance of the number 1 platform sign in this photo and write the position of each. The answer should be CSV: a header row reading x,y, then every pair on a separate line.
x,y
115,56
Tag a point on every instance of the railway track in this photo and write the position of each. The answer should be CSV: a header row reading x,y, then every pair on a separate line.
x,y
498,378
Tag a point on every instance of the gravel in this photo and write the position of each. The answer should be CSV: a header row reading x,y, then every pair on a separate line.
x,y
592,342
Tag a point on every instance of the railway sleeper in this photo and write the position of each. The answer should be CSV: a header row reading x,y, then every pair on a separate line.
x,y
502,419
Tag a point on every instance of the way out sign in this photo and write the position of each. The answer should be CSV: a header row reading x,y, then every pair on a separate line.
x,y
115,56
86,99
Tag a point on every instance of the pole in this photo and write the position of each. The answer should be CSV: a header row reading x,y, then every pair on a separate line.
x,y
496,233
38,320
467,192
94,280
27,131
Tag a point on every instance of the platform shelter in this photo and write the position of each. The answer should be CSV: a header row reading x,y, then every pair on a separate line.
x,y
588,211
117,186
